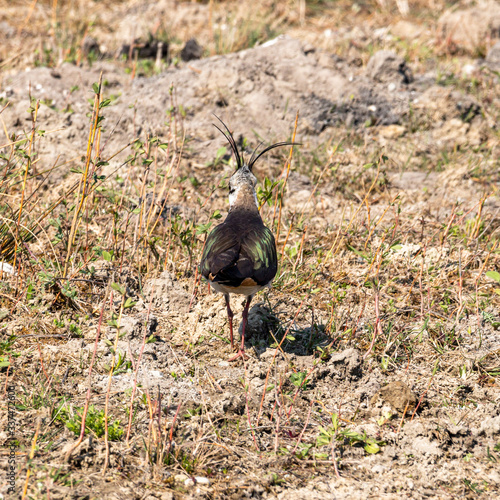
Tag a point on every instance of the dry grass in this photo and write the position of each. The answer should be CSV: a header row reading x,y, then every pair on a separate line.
x,y
50,32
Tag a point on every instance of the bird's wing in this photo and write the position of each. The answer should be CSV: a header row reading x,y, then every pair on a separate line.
x,y
231,257
221,250
259,248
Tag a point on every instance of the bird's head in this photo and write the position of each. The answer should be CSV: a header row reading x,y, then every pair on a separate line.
x,y
242,186
242,183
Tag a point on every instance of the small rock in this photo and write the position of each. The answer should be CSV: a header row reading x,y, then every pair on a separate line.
x,y
268,355
457,430
189,483
386,66
440,104
134,326
342,365
180,478
6,268
192,50
230,403
398,395
494,476
390,452
378,468
468,70
406,250
202,480
348,362
392,131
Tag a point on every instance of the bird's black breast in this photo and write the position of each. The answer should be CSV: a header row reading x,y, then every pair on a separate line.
x,y
241,248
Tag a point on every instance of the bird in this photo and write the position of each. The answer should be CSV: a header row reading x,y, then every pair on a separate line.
x,y
240,256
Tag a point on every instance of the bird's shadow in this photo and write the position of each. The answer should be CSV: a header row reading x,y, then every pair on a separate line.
x,y
266,330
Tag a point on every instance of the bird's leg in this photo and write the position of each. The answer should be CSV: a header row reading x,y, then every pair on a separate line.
x,y
241,352
230,317
245,322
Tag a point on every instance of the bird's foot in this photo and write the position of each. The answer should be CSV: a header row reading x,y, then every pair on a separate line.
x,y
240,354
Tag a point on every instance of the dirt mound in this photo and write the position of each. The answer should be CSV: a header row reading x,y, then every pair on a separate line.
x,y
260,90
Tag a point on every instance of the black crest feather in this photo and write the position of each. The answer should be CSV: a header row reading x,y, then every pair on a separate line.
x,y
253,159
232,142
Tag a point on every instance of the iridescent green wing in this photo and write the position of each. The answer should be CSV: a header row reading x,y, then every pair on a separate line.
x,y
221,250
260,248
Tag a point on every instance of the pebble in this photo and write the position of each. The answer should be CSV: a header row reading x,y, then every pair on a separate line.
x,y
200,480
180,478
6,268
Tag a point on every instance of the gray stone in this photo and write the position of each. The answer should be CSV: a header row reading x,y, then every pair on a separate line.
x,y
386,66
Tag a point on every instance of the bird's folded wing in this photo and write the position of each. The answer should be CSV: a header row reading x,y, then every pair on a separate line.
x,y
230,257
260,248
222,249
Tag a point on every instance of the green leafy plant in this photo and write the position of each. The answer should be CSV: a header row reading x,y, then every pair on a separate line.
x,y
335,432
299,380
6,351
122,365
265,191
94,422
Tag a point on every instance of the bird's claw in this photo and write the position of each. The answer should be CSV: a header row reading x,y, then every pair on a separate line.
x,y
240,354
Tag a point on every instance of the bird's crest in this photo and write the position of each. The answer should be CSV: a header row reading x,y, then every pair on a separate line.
x,y
240,162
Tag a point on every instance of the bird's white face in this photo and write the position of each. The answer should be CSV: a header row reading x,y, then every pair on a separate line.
x,y
242,187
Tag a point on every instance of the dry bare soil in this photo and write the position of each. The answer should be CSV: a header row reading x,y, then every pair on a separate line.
x,y
374,361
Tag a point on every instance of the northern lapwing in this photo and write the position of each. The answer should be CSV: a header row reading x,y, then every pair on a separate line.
x,y
240,254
